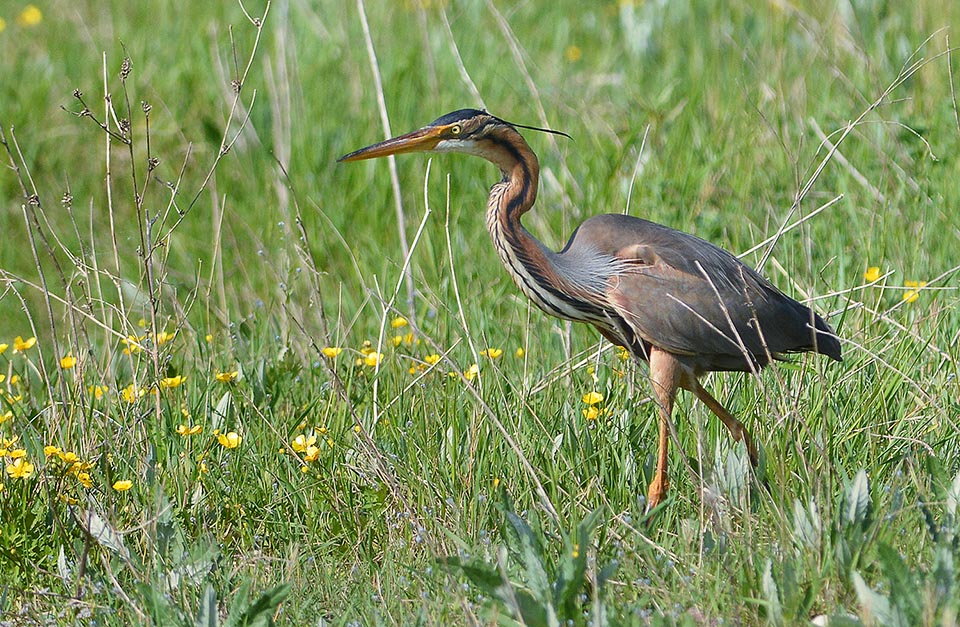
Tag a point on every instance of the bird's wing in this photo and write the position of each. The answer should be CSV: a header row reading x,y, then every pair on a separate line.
x,y
689,297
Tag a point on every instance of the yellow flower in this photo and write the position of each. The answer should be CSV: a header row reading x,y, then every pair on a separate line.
x,y
20,468
17,453
68,361
471,373
592,398
330,442
20,344
397,340
7,415
591,413
228,376
163,337
492,353
185,431
29,16
398,322
122,485
913,294
331,352
230,440
172,382
302,442
312,453
623,353
208,337
14,379
367,347
68,457
520,353
357,428
50,450
97,390
872,274
573,54
372,359
3,377
132,343
84,479
131,393
432,359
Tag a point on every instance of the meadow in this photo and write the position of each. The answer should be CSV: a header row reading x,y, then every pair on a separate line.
x,y
245,384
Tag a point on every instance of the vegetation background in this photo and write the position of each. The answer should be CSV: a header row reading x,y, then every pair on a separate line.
x,y
237,408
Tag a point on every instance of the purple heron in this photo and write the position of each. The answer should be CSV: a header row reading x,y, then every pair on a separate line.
x,y
674,300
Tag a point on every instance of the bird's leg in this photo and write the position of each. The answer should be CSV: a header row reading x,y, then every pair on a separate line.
x,y
665,375
734,426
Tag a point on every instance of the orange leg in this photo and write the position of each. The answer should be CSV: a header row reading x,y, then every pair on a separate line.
x,y
665,373
734,426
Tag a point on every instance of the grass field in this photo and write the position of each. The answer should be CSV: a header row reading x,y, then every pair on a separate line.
x,y
237,409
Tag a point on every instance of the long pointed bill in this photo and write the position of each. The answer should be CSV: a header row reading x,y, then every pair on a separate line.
x,y
421,140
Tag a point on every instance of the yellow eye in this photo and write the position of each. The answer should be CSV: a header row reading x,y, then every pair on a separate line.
x,y
455,129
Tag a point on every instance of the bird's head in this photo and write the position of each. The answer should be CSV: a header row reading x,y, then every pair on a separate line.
x,y
461,131
467,131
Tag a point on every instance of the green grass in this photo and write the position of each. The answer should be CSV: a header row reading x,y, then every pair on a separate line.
x,y
713,114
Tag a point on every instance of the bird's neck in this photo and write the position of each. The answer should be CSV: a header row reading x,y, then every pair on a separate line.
x,y
525,258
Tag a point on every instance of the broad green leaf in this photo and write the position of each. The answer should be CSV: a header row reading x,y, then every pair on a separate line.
x,y
208,616
858,499
876,605
101,531
772,595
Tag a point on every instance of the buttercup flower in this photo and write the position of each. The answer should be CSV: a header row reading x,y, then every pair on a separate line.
x,y
20,344
302,442
398,322
20,468
312,453
372,359
68,361
592,398
872,274
185,431
471,373
3,348
492,353
227,377
331,352
230,440
913,294
29,16
122,485
172,382
431,359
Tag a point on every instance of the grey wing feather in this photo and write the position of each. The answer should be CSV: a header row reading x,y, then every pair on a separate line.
x,y
689,297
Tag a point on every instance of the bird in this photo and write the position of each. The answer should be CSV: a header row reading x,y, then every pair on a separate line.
x,y
680,303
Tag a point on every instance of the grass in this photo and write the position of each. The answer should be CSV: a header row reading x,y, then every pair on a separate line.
x,y
712,118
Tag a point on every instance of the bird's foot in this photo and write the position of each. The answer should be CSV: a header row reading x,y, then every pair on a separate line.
x,y
657,492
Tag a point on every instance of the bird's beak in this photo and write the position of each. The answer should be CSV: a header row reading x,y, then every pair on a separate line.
x,y
422,140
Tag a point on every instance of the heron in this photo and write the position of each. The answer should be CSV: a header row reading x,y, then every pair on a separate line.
x,y
675,301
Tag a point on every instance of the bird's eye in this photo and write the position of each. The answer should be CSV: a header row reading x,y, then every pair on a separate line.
x,y
455,129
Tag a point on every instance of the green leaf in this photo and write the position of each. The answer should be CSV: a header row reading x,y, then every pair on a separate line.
x,y
806,525
876,605
260,613
101,531
208,616
771,594
953,498
858,500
